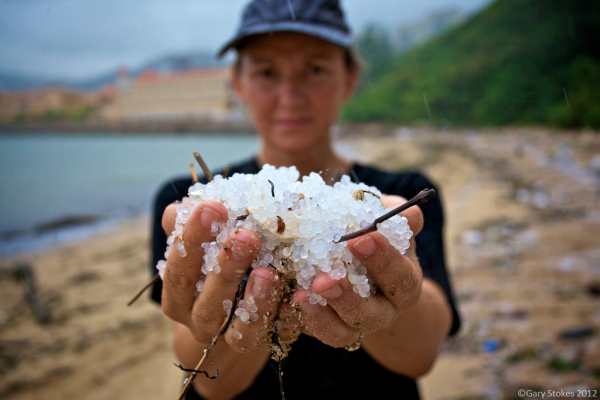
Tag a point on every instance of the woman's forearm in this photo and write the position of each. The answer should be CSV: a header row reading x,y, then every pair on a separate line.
x,y
236,371
410,345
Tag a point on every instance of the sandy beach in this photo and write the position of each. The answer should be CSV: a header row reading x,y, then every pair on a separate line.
x,y
523,222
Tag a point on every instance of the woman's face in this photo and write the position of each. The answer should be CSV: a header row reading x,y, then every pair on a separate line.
x,y
293,86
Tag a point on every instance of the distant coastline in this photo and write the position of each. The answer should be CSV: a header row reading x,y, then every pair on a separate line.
x,y
97,126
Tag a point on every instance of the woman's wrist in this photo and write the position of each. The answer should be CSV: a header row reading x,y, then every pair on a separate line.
x,y
410,345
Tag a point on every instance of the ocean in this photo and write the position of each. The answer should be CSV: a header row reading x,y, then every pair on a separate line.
x,y
56,188
60,187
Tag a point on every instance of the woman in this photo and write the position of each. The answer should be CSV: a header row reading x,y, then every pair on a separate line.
x,y
294,71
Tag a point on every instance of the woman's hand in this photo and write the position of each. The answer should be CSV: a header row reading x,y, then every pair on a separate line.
x,y
205,314
398,278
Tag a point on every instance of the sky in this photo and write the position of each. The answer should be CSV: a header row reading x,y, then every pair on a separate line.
x,y
84,38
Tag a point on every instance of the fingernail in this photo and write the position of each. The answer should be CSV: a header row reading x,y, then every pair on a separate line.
x,y
260,287
309,310
209,216
241,251
365,246
333,294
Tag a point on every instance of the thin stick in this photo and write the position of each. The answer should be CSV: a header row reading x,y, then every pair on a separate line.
x,y
337,177
272,188
226,173
213,341
194,176
420,198
203,166
276,341
374,194
137,296
191,378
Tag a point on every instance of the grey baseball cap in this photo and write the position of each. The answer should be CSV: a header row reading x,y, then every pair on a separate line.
x,y
320,18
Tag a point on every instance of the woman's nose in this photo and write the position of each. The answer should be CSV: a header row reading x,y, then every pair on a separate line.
x,y
292,91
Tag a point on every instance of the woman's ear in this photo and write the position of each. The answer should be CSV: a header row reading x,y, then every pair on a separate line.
x,y
352,77
236,82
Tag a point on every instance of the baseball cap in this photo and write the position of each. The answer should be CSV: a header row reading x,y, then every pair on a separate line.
x,y
320,18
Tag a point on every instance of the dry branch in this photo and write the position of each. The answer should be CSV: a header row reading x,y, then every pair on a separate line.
x,y
142,290
420,198
203,165
194,176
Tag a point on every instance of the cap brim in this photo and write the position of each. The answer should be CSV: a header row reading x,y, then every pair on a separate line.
x,y
328,34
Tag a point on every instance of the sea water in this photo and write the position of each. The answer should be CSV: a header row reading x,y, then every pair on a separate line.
x,y
59,187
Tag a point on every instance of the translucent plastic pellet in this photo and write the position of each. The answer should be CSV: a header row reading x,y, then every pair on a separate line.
x,y
316,217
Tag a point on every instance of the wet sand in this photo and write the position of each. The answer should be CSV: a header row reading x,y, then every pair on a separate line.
x,y
523,224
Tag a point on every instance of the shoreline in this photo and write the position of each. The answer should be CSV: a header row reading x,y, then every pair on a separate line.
x,y
95,126
191,127
34,242
88,181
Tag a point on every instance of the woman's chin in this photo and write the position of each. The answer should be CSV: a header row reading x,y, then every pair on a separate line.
x,y
298,140
293,145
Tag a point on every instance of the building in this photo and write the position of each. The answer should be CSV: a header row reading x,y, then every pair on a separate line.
x,y
196,94
46,102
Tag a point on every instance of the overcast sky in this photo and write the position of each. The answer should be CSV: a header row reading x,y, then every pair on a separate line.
x,y
84,38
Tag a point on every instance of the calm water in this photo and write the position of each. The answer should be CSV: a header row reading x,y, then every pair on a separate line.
x,y
45,178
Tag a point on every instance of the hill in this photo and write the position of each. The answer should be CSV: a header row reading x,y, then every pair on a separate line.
x,y
516,62
167,63
12,81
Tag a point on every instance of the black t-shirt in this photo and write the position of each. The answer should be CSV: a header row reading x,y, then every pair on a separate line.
x,y
313,369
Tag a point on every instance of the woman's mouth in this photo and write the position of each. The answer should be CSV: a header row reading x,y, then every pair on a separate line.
x,y
292,123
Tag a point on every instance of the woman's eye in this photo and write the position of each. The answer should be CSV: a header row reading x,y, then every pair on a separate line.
x,y
265,73
317,70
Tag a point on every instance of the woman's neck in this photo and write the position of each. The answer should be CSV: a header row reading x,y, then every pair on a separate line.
x,y
320,159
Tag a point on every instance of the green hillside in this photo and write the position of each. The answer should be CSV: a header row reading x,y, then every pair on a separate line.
x,y
516,62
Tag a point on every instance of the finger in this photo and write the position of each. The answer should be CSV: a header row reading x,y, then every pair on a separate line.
x,y
323,323
365,314
396,276
261,300
414,215
235,257
182,273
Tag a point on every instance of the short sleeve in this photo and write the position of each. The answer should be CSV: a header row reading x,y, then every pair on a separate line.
x,y
170,192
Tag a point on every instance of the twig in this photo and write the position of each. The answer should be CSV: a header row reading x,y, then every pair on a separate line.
x,y
213,341
420,198
25,274
226,173
280,373
203,166
338,175
215,376
194,176
272,188
137,296
275,338
374,194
